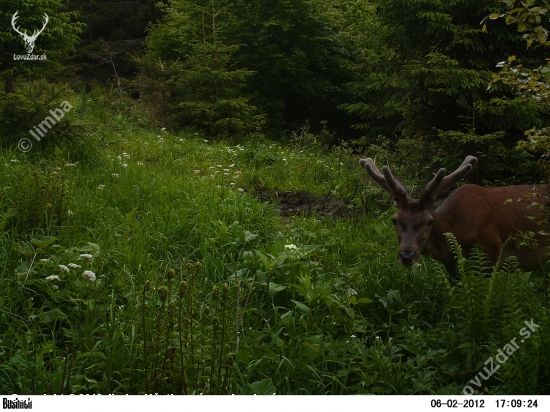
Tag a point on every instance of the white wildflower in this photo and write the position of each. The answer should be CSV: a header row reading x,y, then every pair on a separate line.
x,y
114,174
140,163
52,277
86,256
74,266
44,261
125,165
197,172
89,275
240,190
101,187
55,287
226,170
291,247
63,268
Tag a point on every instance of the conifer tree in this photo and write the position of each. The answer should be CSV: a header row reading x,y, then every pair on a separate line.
x,y
207,91
432,87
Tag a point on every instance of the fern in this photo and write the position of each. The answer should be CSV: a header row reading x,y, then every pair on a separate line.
x,y
490,308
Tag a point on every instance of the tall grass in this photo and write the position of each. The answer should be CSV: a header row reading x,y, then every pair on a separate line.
x,y
201,287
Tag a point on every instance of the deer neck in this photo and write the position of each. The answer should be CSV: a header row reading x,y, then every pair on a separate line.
x,y
437,246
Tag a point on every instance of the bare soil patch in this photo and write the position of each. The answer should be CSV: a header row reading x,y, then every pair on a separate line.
x,y
295,202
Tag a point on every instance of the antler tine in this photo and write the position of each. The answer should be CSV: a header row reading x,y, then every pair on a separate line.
x,y
372,170
385,179
15,17
37,32
440,182
45,23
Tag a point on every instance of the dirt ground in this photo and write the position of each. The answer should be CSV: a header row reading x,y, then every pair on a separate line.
x,y
295,202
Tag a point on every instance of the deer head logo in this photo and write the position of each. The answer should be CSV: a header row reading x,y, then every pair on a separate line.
x,y
29,40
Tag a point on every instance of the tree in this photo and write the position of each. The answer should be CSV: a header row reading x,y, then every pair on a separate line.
x,y
296,49
119,27
532,82
433,86
207,91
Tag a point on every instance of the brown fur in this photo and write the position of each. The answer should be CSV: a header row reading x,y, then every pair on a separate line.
x,y
487,216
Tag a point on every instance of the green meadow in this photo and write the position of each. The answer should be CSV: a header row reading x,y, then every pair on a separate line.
x,y
134,260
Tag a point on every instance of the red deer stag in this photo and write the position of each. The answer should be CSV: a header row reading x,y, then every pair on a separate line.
x,y
486,216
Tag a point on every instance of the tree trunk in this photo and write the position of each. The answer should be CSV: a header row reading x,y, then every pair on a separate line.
x,y
8,84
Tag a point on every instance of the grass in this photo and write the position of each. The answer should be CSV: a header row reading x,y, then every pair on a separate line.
x,y
202,287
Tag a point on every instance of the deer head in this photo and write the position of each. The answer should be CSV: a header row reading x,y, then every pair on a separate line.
x,y
415,218
29,40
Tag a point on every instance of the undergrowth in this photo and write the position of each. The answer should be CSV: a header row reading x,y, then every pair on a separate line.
x,y
138,261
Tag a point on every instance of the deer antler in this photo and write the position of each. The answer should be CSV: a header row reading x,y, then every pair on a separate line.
x,y
385,179
37,32
15,17
29,40
440,182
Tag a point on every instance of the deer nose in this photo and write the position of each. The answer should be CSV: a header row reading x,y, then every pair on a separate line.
x,y
407,257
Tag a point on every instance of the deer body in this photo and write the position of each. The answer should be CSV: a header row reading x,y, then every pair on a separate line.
x,y
486,216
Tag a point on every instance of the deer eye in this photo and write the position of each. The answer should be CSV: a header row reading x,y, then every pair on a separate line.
x,y
430,222
394,221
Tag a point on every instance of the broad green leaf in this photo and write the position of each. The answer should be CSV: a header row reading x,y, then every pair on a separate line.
x,y
92,247
53,314
274,288
263,387
302,307
44,242
248,236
